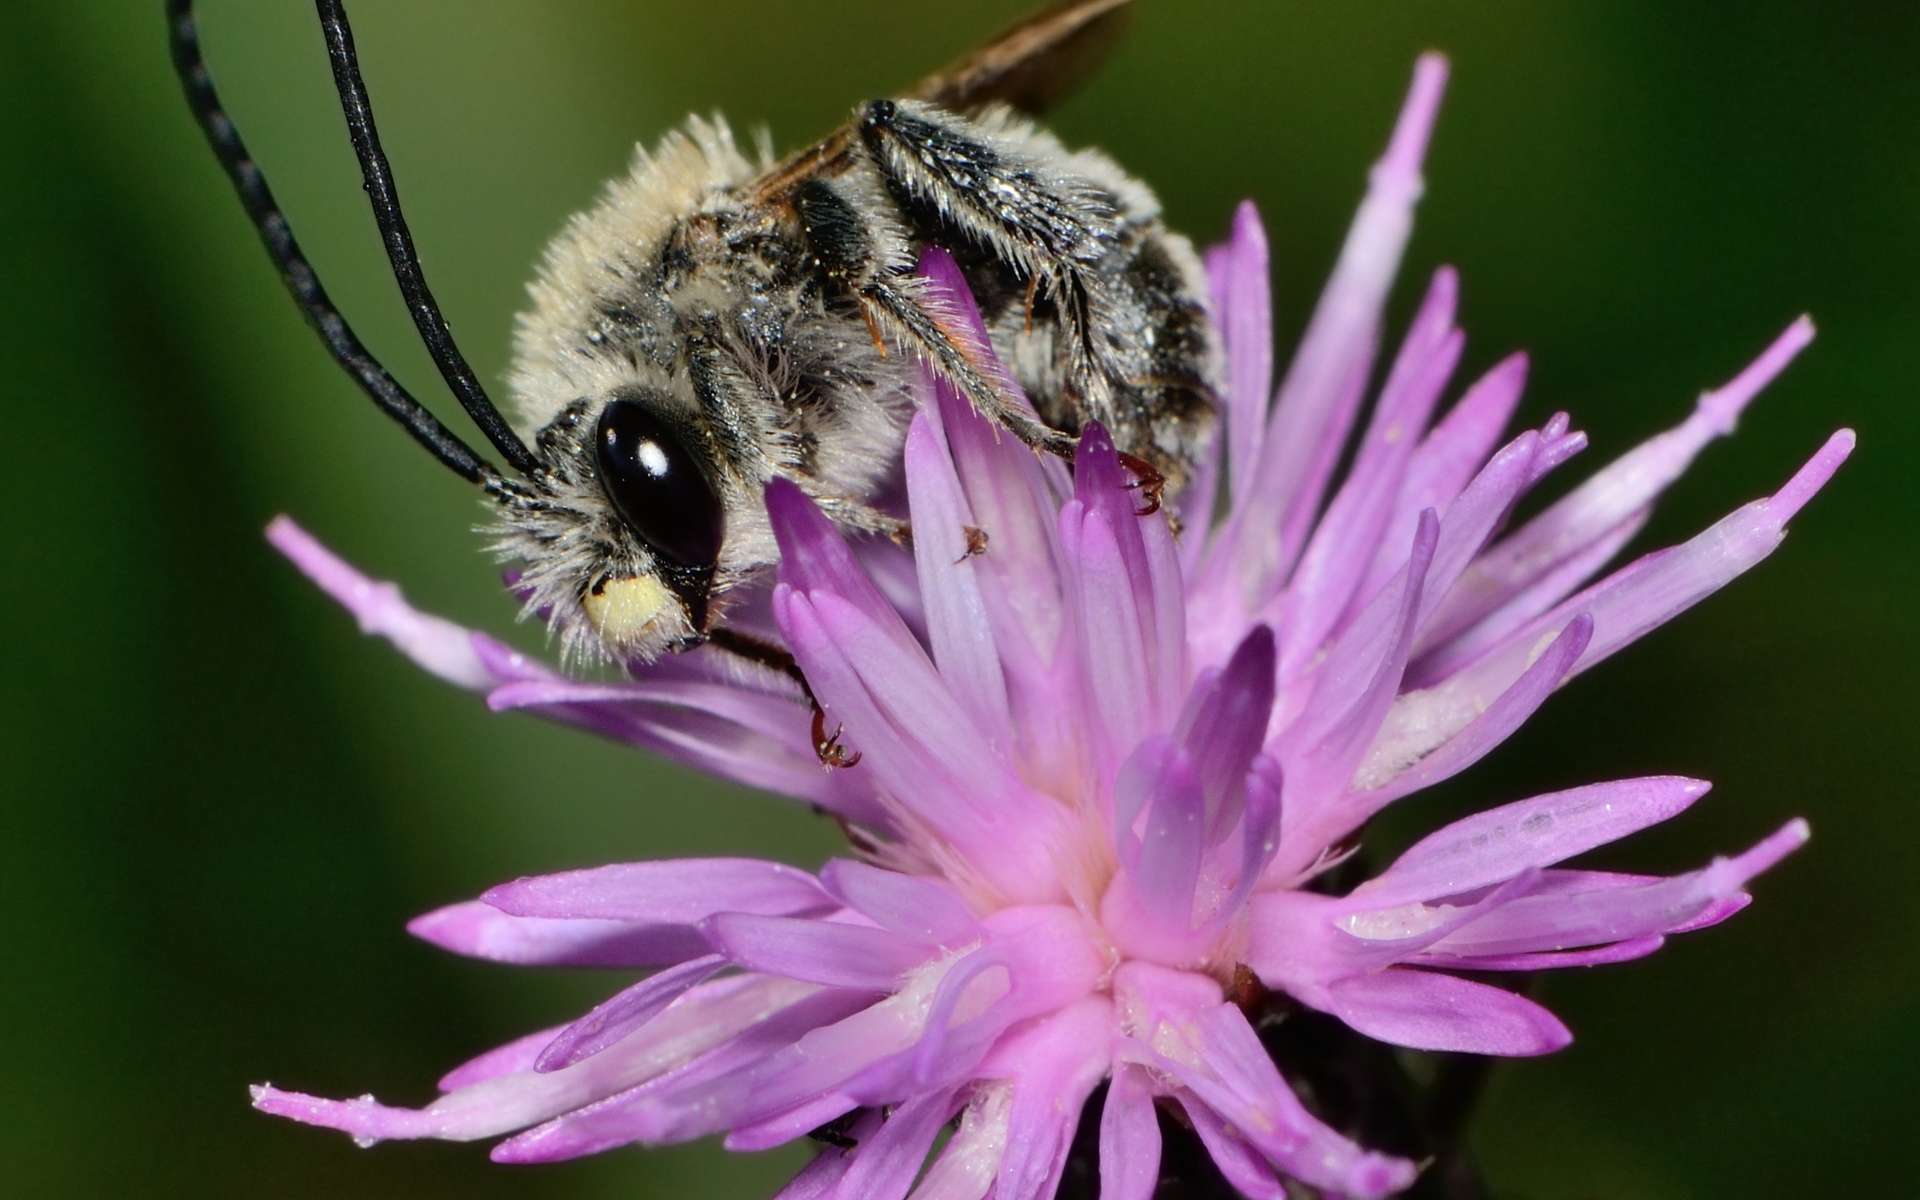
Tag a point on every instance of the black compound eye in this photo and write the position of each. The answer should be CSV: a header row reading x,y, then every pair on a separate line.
x,y
655,485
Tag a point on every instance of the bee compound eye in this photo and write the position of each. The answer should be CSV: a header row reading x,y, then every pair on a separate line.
x,y
656,485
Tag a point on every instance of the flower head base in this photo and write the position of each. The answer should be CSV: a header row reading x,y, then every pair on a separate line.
x,y
1103,771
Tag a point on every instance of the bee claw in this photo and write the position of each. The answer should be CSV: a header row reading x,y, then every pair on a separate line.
x,y
1147,479
827,747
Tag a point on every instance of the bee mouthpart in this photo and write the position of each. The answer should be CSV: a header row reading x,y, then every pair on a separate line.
x,y
638,608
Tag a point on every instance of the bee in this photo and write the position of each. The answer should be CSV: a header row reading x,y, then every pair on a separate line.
x,y
722,317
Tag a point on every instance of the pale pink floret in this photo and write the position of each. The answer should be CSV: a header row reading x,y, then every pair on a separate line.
x,y
1102,767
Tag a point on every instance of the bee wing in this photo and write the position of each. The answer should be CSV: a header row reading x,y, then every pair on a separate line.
x,y
1034,64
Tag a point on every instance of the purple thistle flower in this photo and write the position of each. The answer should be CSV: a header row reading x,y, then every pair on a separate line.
x,y
1104,771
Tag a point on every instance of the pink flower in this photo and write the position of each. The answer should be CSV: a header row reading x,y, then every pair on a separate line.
x,y
1103,772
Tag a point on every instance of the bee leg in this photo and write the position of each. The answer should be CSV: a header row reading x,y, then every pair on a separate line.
x,y
952,353
861,517
856,265
994,188
1151,484
827,747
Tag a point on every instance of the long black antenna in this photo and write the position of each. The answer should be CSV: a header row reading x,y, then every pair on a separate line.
x,y
298,274
385,198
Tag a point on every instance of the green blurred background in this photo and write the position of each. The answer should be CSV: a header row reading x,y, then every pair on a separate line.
x,y
223,803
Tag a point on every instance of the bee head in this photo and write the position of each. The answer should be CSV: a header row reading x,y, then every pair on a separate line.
x,y
620,550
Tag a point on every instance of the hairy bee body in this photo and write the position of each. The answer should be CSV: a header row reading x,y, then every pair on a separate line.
x,y
769,315
721,319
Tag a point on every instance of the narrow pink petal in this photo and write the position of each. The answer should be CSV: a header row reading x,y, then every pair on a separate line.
x,y
1172,838
1652,591
1308,504
830,952
501,1103
1323,587
909,693
967,1166
915,906
820,1061
1129,1137
1217,1056
930,1034
1243,1167
1113,658
680,891
1436,659
479,930
1617,952
1259,835
1448,458
1304,943
1246,325
1426,1010
1370,938
1423,740
437,646
814,557
1054,1064
1480,509
1109,496
887,1161
789,1126
762,741
516,1056
820,1179
1322,756
1623,488
697,1040
1498,844
1224,724
1353,665
1013,493
958,626
622,1014
1343,327
931,757
1622,909
972,815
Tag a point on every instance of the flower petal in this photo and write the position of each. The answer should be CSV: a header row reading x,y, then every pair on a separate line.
x,y
1426,1010
479,930
1344,325
502,1103
830,952
1324,585
887,1161
696,1040
820,1179
1246,327
622,1014
1129,1137
1621,908
1612,495
1433,734
1495,845
958,626
682,891
1054,1064
915,906
1216,1055
1652,591
439,647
